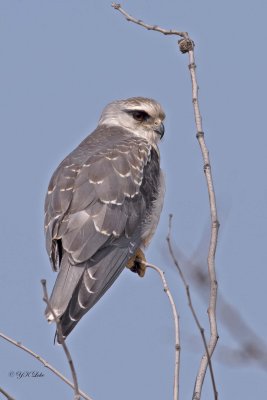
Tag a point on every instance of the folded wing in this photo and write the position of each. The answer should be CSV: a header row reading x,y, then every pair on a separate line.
x,y
95,209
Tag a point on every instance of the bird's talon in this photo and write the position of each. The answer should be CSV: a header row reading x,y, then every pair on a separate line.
x,y
137,263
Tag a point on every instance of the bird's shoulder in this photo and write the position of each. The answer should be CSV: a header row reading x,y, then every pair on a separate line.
x,y
110,159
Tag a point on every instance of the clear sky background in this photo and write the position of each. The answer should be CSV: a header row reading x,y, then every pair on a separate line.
x,y
61,62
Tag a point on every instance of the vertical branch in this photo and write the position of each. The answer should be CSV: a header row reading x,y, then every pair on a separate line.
x,y
62,342
187,45
176,326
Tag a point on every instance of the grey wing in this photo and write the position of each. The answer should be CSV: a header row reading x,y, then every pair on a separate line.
x,y
94,220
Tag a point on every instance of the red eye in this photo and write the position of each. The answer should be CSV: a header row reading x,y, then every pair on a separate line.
x,y
140,116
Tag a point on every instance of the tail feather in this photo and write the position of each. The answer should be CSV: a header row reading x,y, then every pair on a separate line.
x,y
66,282
93,283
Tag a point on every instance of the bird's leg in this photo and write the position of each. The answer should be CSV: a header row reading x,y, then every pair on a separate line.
x,y
137,263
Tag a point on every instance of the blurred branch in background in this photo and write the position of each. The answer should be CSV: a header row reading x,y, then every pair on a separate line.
x,y
250,348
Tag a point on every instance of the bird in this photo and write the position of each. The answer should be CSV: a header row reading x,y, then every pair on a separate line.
x,y
103,206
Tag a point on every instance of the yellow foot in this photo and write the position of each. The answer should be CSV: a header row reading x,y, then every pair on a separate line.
x,y
137,263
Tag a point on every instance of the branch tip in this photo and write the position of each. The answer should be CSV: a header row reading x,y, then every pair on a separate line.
x,y
116,6
156,28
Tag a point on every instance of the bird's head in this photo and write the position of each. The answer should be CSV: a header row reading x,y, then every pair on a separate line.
x,y
142,116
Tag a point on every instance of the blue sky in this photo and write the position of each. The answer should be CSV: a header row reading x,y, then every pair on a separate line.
x,y
61,63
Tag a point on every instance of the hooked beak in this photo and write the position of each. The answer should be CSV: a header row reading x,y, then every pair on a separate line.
x,y
160,130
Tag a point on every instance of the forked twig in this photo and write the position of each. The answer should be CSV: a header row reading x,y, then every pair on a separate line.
x,y
190,304
62,342
44,362
176,326
187,46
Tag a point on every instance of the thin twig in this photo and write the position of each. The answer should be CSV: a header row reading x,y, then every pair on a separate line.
x,y
6,394
187,46
44,362
156,28
176,326
62,342
190,304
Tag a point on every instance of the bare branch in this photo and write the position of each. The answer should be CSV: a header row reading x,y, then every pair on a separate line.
x,y
44,362
176,325
190,303
62,342
214,231
146,26
6,394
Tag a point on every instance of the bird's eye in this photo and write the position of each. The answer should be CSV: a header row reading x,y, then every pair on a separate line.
x,y
140,115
